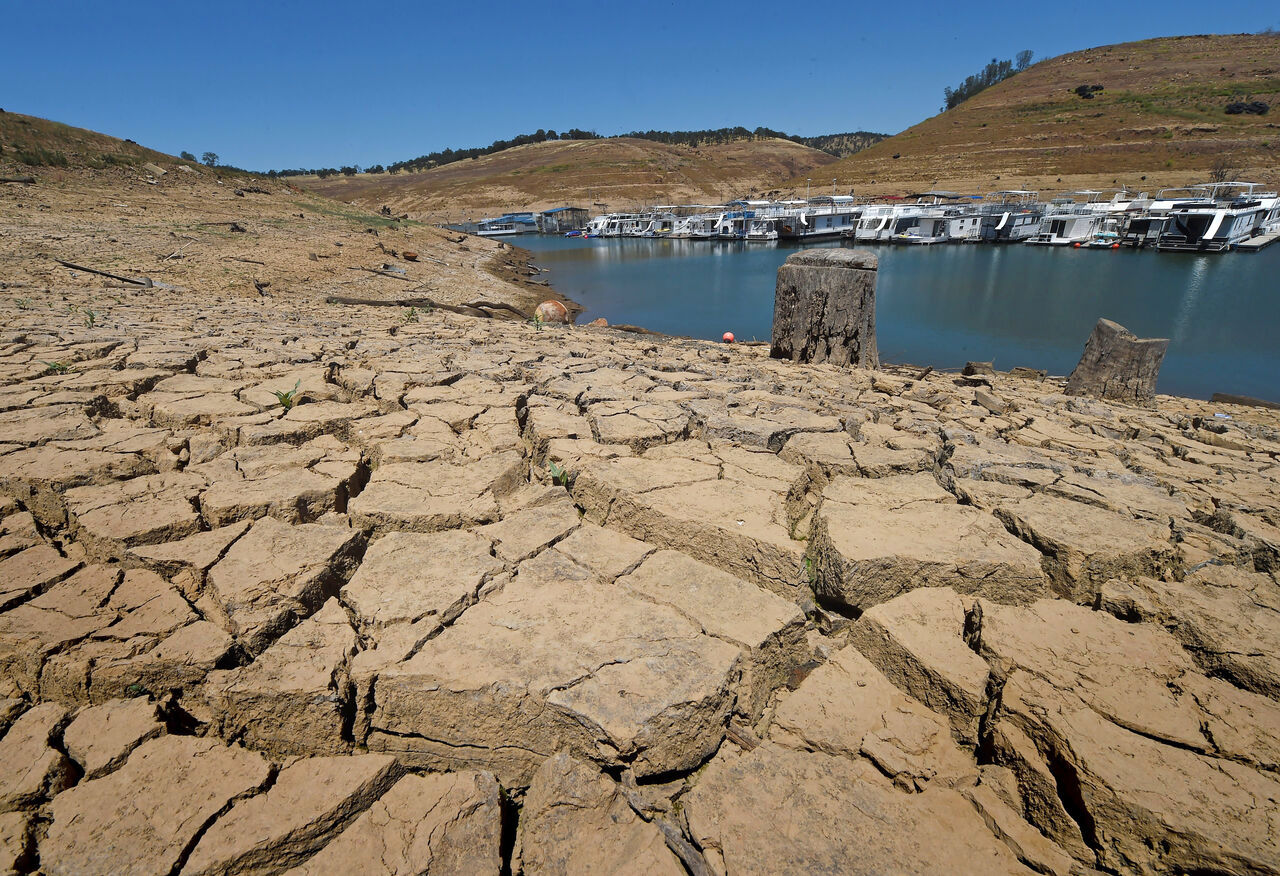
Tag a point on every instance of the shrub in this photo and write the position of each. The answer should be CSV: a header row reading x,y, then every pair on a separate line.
x,y
1252,108
34,156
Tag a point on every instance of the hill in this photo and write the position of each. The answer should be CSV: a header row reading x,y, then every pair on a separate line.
x,y
86,198
843,145
1160,114
33,142
614,173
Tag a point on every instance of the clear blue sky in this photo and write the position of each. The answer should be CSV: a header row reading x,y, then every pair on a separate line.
x,y
307,84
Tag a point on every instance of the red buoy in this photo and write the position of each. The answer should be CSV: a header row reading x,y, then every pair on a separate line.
x,y
728,337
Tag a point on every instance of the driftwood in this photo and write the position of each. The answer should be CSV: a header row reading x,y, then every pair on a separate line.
x,y
145,281
742,736
383,273
234,226
246,261
26,180
1226,398
470,308
636,330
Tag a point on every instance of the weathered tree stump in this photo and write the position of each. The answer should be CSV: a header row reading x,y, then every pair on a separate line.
x,y
824,308
1118,365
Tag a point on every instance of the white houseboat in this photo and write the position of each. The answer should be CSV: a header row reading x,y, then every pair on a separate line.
x,y
1235,212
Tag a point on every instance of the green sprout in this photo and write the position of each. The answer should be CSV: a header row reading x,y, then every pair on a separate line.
x,y
559,476
288,399
23,303
90,317
537,322
55,367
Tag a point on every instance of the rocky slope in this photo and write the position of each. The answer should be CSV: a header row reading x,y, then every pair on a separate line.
x,y
610,174
486,596
1159,120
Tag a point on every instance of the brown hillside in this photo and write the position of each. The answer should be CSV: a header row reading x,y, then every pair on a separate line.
x,y
1160,115
618,172
30,142
221,235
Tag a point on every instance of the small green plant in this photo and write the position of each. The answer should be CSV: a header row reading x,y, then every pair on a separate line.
x,y
37,157
559,476
23,303
55,367
288,398
90,317
537,322
411,315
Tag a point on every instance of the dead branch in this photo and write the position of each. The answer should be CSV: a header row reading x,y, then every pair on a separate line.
x,y
178,253
469,307
246,261
383,273
26,180
145,281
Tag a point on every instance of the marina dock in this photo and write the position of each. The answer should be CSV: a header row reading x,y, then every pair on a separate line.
x,y
1260,242
1209,218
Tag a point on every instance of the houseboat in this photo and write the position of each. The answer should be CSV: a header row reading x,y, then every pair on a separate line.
x,y
818,218
1235,212
875,223
511,223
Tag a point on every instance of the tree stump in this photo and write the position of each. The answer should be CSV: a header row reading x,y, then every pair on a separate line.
x,y
824,308
1117,365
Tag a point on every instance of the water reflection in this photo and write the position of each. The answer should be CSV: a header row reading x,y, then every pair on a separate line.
x,y
943,305
1195,279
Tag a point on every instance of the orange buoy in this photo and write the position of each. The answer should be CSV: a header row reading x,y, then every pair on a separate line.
x,y
728,337
1076,245
1115,246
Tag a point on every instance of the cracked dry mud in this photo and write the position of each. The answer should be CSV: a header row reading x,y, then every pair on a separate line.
x,y
571,601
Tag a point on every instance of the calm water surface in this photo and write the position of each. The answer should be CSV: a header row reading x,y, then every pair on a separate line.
x,y
944,305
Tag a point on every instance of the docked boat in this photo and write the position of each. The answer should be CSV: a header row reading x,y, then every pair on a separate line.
x,y
927,220
762,229
701,226
1068,222
875,223
660,225
511,223
1108,233
1065,229
924,228
1236,211
1011,216
819,218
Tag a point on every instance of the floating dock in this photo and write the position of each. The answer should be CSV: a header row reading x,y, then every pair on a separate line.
x,y
1262,241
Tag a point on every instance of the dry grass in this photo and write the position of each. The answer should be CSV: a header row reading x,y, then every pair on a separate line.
x,y
620,173
1160,116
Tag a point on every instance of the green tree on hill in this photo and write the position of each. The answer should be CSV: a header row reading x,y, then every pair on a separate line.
x,y
209,158
996,71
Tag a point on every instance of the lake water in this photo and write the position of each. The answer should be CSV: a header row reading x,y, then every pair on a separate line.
x,y
945,305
